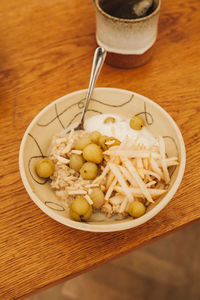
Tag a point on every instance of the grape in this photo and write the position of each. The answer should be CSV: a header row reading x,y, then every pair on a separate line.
x,y
87,215
136,123
80,205
97,197
80,209
44,168
82,142
76,162
109,120
93,153
88,170
102,140
95,135
136,209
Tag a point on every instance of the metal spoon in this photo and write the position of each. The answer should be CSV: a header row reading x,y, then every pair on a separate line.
x,y
98,60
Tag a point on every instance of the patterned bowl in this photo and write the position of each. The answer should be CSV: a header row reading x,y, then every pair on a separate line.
x,y
63,112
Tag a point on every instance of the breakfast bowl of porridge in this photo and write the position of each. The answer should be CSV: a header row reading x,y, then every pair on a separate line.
x,y
116,174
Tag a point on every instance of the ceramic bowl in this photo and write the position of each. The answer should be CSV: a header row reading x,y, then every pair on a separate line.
x,y
126,36
129,42
65,111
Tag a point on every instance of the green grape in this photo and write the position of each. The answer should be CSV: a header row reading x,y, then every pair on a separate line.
x,y
136,209
97,197
93,153
102,140
88,170
136,123
44,168
82,142
109,120
80,209
95,135
76,162
87,215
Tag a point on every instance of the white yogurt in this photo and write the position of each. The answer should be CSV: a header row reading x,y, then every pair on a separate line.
x,y
120,129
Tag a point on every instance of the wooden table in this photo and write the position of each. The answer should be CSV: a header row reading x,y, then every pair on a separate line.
x,y
46,52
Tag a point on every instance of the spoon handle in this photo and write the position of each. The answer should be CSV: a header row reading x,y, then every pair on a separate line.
x,y
98,60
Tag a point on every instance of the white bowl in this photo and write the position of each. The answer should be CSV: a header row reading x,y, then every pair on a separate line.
x,y
66,110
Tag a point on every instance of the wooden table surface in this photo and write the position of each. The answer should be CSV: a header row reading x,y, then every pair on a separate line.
x,y
46,50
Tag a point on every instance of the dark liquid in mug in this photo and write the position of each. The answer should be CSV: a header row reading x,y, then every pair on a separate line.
x,y
123,9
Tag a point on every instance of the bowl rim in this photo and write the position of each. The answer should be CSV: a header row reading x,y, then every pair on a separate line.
x,y
103,227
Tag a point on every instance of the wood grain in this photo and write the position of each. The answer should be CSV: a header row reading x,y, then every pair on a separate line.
x,y
46,49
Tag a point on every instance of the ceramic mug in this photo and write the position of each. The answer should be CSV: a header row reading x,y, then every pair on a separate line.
x,y
129,42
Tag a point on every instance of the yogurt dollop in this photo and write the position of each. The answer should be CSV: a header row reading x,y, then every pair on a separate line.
x,y
120,129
